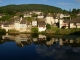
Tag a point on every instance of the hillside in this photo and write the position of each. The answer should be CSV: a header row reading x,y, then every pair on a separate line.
x,y
12,9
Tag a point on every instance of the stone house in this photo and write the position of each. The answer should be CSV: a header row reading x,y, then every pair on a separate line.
x,y
23,25
49,19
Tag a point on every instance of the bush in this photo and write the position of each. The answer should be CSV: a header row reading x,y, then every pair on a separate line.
x,y
34,30
48,26
13,31
2,31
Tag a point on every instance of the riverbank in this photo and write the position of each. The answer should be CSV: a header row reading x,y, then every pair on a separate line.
x,y
53,31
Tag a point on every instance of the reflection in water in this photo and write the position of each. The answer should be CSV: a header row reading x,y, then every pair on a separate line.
x,y
27,39
52,48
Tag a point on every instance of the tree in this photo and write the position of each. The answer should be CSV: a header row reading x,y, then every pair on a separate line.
x,y
34,15
73,13
21,15
2,31
48,26
29,18
5,18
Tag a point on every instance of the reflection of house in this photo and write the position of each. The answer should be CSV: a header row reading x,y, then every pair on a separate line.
x,y
22,40
41,36
35,39
69,42
8,37
51,42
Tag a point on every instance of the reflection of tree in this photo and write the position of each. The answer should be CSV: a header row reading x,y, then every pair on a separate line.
x,y
34,35
0,37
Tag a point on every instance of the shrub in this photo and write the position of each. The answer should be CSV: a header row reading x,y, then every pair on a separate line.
x,y
2,31
48,26
34,30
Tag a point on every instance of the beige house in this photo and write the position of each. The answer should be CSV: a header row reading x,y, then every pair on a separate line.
x,y
63,15
40,15
23,25
73,23
49,19
7,25
17,23
34,23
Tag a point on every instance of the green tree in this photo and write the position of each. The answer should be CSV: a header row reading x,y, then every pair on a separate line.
x,y
29,18
5,18
48,26
21,15
2,31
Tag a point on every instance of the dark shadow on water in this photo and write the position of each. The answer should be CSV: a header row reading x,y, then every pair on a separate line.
x,y
75,33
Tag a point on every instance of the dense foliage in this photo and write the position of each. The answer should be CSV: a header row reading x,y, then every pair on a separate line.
x,y
48,26
12,9
34,30
74,13
2,31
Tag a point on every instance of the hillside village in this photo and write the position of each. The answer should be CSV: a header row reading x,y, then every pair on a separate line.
x,y
26,22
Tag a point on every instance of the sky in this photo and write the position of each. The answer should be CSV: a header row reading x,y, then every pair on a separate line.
x,y
63,4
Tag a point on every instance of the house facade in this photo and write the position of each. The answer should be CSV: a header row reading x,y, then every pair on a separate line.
x,y
23,25
34,23
41,26
49,19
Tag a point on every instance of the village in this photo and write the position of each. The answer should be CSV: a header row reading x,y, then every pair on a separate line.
x,y
26,22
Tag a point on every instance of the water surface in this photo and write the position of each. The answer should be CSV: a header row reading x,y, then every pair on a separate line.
x,y
41,47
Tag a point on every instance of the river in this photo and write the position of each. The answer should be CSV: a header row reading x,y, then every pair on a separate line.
x,y
39,47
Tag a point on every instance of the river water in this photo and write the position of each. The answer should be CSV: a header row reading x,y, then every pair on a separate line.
x,y
39,47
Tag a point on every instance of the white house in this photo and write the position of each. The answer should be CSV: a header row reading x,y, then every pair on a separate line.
x,y
41,26
37,12
34,23
40,15
62,15
27,15
61,23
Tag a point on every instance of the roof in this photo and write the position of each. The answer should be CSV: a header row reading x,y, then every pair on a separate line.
x,y
23,21
28,23
41,23
1,23
41,14
40,19
17,19
74,20
66,21
49,15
